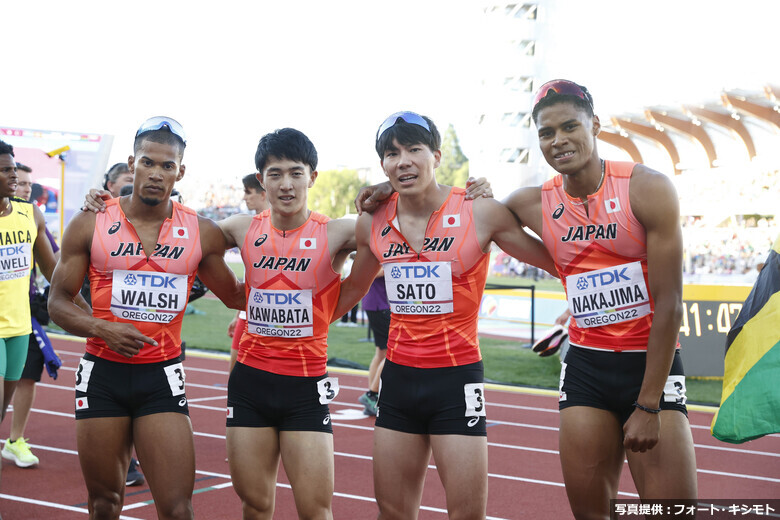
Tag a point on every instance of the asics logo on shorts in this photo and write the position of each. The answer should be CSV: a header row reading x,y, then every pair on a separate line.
x,y
472,422
183,401
326,420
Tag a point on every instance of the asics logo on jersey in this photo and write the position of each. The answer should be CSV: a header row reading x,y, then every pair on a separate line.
x,y
558,211
114,228
261,239
385,231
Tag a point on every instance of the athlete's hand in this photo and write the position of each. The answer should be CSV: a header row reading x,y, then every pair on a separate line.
x,y
232,327
94,200
370,197
124,338
563,319
476,188
641,431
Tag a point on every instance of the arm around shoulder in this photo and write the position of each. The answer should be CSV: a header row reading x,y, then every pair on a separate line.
x,y
213,270
364,269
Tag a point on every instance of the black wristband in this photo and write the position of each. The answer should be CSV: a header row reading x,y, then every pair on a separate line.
x,y
646,409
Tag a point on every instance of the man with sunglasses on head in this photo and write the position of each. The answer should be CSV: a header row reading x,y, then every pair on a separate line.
x,y
613,229
142,254
434,247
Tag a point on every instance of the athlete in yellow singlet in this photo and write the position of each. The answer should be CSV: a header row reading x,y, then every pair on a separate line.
x,y
22,234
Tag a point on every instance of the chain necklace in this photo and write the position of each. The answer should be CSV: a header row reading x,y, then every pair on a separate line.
x,y
579,201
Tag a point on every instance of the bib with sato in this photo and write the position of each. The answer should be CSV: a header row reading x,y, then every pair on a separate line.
x,y
280,313
148,296
419,287
610,295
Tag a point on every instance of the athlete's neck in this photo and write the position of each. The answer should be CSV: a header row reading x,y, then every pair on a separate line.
x,y
425,203
284,222
586,181
5,207
138,211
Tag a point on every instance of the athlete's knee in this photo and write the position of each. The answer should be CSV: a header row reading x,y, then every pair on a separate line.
x,y
179,510
105,507
257,510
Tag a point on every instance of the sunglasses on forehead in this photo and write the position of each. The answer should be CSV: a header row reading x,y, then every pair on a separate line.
x,y
408,117
158,122
562,87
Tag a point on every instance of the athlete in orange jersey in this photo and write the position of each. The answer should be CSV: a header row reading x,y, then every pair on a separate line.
x,y
142,254
279,388
614,232
433,245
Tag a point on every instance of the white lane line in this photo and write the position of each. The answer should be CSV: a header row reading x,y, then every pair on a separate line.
x,y
54,505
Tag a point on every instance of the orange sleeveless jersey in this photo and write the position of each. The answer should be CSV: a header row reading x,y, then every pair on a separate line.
x,y
593,249
419,338
292,291
150,293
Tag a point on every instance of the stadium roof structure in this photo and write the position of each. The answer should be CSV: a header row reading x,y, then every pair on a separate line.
x,y
746,117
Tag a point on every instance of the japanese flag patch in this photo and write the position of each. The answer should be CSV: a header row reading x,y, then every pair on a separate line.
x,y
308,243
82,403
612,205
448,221
180,232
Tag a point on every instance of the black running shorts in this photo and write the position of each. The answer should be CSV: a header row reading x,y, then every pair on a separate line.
x,y
435,401
33,367
260,399
611,381
111,389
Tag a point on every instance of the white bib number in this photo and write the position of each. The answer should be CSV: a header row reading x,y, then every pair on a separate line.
x,y
176,377
280,313
419,287
610,295
328,388
148,296
475,402
15,261
83,373
674,390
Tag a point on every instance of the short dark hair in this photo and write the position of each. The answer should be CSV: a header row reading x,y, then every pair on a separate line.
x,y
408,134
23,167
6,148
550,100
286,143
114,172
161,136
251,183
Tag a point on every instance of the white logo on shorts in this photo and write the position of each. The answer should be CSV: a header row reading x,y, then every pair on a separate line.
x,y
183,401
326,420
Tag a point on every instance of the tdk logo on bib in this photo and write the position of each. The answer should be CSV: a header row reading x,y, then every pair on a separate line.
x,y
151,280
415,271
11,250
279,298
602,279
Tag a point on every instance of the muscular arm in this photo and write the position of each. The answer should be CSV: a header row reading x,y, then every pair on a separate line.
x,y
655,204
214,271
341,241
526,204
363,270
42,250
495,222
66,282
234,229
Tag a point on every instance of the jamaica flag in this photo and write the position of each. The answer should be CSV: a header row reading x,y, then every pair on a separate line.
x,y
750,405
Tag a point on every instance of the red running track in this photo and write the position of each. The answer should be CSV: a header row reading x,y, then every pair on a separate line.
x,y
525,477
